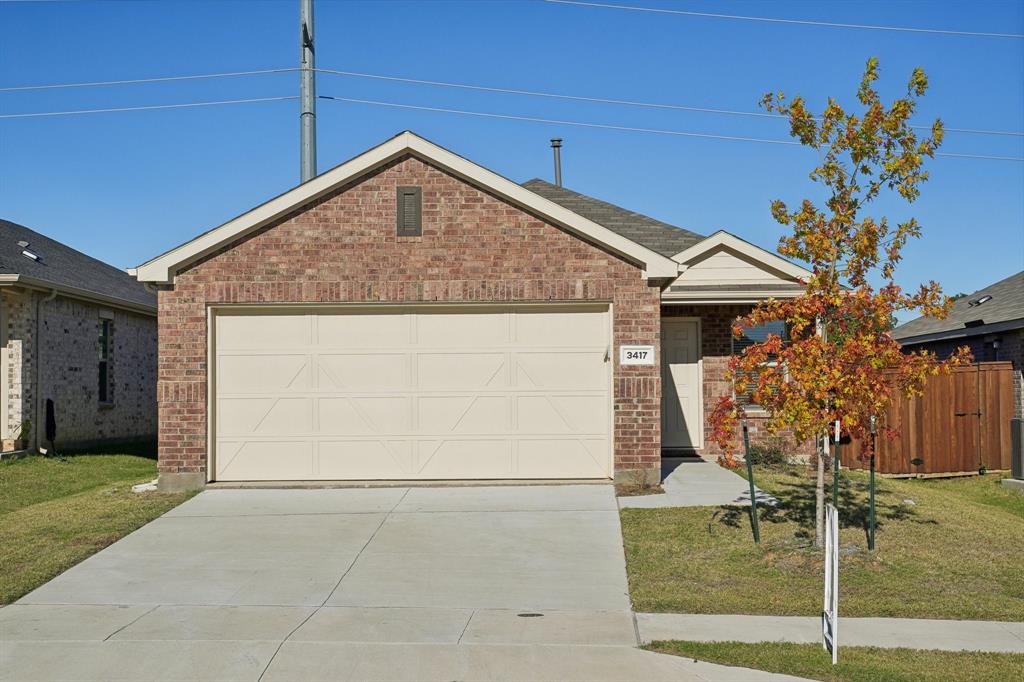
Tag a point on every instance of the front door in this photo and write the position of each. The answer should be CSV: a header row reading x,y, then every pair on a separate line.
x,y
681,408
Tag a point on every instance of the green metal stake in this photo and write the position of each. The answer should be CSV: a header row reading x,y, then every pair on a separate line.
x,y
871,484
750,478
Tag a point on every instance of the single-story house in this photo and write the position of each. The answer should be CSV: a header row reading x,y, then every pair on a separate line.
x,y
990,322
77,341
410,314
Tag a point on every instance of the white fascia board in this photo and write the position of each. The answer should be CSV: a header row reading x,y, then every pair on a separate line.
x,y
731,241
162,268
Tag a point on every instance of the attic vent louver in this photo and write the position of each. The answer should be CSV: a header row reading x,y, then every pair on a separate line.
x,y
979,301
410,211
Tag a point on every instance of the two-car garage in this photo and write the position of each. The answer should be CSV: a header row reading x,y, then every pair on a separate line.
x,y
397,392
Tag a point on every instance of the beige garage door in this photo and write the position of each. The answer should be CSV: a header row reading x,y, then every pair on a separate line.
x,y
454,392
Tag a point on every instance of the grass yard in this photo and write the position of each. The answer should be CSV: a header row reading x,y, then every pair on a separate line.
x,y
56,513
856,664
945,549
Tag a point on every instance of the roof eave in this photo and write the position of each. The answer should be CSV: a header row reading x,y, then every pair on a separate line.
x,y
960,332
76,293
162,268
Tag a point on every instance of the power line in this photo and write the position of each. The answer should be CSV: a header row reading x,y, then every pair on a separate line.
x,y
606,100
150,107
132,81
802,22
606,126
466,86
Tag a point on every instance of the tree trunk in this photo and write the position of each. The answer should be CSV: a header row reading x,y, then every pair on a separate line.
x,y
819,495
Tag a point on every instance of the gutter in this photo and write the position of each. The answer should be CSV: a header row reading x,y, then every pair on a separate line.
x,y
74,292
962,332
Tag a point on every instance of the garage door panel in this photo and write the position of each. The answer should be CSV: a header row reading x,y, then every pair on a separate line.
x,y
562,458
364,415
365,459
262,332
262,374
413,393
459,330
353,330
363,371
483,458
464,414
461,371
567,371
559,328
571,414
270,460
242,416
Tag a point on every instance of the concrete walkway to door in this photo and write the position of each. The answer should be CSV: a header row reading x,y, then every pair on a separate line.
x,y
693,482
471,583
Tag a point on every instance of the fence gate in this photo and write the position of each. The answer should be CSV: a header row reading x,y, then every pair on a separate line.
x,y
960,424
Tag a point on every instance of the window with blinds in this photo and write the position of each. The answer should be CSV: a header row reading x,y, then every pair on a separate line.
x,y
751,336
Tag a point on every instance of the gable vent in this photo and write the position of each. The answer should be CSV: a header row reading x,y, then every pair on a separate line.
x,y
410,211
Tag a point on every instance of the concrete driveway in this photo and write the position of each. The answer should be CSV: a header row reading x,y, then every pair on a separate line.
x,y
468,583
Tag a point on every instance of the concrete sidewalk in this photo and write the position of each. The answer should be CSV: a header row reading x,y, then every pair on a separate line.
x,y
911,633
692,482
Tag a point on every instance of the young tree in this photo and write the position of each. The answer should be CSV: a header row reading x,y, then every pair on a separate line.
x,y
839,361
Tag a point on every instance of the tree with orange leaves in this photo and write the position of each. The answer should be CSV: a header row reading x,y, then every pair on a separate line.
x,y
839,361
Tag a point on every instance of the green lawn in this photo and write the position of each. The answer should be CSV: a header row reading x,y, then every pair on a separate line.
x,y
945,549
55,513
856,664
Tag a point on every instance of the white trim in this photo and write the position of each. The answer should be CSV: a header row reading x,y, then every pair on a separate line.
x,y
163,268
731,241
699,298
700,376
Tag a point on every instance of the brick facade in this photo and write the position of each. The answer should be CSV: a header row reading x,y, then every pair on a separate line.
x,y
60,349
343,248
716,348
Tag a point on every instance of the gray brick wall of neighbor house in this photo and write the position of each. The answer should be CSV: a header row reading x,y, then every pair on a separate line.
x,y
68,353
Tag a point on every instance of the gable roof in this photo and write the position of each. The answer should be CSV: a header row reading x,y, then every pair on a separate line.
x,y
656,235
730,241
163,267
1005,310
62,267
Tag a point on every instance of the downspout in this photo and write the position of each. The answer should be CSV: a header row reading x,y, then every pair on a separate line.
x,y
38,361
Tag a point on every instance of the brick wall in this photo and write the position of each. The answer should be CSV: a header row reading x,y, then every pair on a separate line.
x,y
343,248
716,348
68,354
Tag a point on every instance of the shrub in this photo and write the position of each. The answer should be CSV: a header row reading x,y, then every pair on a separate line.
x,y
771,453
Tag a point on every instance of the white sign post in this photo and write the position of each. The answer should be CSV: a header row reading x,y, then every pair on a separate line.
x,y
830,612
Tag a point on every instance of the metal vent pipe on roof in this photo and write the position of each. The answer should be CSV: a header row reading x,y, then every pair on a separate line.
x,y
556,147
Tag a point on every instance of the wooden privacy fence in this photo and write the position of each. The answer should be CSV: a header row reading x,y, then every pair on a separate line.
x,y
959,425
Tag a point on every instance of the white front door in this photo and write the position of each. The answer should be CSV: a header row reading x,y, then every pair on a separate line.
x,y
681,398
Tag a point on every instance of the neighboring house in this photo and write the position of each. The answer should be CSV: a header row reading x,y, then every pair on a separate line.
x,y
80,333
990,322
412,315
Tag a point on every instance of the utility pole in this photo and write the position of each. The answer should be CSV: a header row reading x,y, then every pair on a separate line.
x,y
307,92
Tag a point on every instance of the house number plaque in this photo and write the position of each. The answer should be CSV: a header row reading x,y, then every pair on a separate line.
x,y
636,355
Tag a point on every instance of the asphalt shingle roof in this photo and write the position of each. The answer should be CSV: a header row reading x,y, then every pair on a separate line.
x,y
668,240
61,265
1006,304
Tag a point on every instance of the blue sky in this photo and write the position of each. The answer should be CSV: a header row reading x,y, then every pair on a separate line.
x,y
126,186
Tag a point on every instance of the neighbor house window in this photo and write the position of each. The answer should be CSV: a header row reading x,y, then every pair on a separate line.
x,y
106,326
751,336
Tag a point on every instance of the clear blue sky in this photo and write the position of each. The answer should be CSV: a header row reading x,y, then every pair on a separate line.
x,y
126,186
